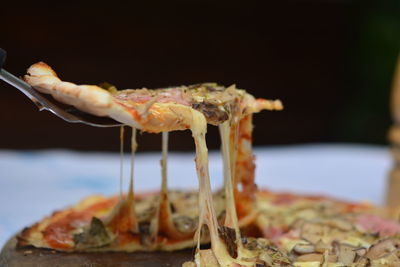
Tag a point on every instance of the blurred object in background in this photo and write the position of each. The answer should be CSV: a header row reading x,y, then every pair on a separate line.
x,y
330,62
393,186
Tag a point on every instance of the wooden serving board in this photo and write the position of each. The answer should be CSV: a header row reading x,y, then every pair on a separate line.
x,y
11,256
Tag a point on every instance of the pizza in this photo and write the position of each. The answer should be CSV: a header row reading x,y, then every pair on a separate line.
x,y
235,226
289,230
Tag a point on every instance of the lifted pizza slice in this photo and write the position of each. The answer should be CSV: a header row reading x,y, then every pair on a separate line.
x,y
180,108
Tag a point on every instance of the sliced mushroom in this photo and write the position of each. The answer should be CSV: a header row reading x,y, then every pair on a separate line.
x,y
335,248
145,233
346,254
339,223
229,236
252,243
390,259
380,249
316,257
360,252
304,248
96,235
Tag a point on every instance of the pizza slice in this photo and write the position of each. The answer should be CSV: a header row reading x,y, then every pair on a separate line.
x,y
149,110
290,230
85,226
321,231
245,226
180,108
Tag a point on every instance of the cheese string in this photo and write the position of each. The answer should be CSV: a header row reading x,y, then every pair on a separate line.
x,y
133,152
131,195
231,216
121,161
164,185
233,150
164,182
206,208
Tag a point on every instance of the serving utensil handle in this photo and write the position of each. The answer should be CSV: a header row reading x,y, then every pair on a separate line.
x,y
393,182
21,85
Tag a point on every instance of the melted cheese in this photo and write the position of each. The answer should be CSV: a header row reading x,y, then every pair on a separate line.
x,y
131,195
164,158
206,208
121,161
123,216
231,219
163,210
134,146
163,222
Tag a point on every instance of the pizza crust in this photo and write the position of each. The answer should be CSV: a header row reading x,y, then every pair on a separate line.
x,y
288,232
150,116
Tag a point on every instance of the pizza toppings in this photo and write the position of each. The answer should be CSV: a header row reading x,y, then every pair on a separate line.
x,y
157,110
304,248
334,244
96,235
123,218
264,253
176,227
229,236
298,231
375,224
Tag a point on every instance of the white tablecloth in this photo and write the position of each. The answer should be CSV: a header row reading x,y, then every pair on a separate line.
x,y
33,184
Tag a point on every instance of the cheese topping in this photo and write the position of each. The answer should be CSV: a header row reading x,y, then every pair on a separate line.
x,y
231,219
121,160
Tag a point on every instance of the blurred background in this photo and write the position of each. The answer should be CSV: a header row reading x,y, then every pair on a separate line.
x,y
330,62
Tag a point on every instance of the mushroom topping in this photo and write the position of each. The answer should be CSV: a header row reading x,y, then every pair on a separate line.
x,y
279,258
229,236
304,248
391,259
145,233
316,257
380,249
346,254
93,237
214,114
360,252
340,224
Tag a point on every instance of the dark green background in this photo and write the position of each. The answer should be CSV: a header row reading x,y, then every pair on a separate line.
x,y
331,63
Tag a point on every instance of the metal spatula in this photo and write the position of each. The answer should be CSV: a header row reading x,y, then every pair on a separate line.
x,y
70,114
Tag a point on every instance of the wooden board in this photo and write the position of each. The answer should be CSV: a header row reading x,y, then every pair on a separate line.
x,y
11,256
